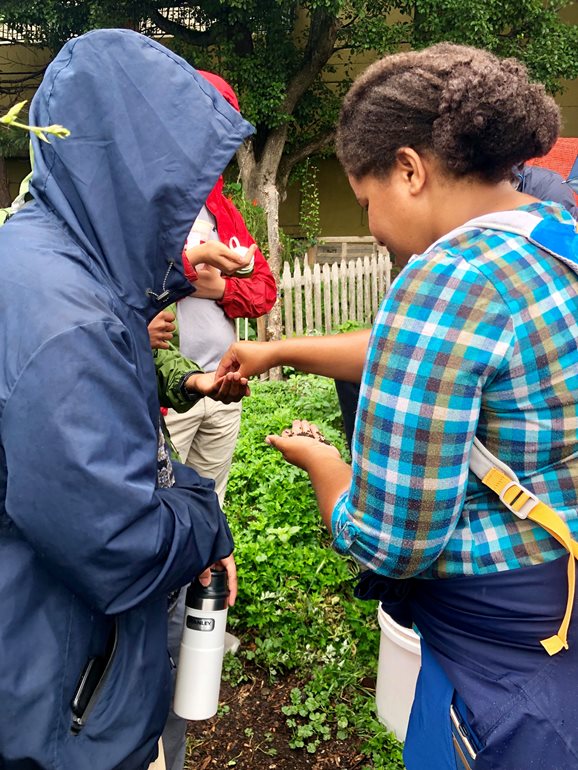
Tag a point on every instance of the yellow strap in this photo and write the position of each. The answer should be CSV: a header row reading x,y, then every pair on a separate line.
x,y
516,497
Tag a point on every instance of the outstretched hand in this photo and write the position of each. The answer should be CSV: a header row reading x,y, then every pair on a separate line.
x,y
227,389
303,444
248,359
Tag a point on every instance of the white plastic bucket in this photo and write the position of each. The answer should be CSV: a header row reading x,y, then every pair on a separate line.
x,y
397,670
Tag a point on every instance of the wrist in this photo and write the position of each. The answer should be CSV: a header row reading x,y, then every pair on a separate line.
x,y
319,456
220,287
197,254
187,386
275,352
190,382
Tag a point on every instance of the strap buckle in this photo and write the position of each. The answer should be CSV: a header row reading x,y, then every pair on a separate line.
x,y
527,508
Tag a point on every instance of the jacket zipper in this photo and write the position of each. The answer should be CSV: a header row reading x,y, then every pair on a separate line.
x,y
90,685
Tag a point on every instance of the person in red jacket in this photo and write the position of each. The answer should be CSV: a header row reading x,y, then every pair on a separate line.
x,y
204,431
200,328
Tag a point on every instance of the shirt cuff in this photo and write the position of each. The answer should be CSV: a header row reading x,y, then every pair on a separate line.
x,y
190,271
342,528
192,396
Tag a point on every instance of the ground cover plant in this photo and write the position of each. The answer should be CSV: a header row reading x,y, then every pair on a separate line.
x,y
309,649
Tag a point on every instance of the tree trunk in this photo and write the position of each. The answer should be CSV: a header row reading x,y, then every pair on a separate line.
x,y
5,197
248,170
259,179
271,200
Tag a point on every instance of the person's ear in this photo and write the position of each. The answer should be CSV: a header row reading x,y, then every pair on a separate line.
x,y
411,168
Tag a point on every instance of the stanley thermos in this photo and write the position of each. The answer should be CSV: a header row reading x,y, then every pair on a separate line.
x,y
202,648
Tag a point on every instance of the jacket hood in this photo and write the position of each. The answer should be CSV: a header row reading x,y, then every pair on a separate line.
x,y
222,87
149,138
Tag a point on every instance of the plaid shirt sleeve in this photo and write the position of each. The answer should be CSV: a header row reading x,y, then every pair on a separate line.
x,y
442,332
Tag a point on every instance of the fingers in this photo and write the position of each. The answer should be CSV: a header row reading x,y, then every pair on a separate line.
x,y
163,323
159,340
218,255
228,564
277,442
295,449
161,329
230,388
302,444
231,568
165,316
228,363
305,428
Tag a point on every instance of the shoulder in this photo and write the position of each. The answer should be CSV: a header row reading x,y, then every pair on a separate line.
x,y
481,258
475,269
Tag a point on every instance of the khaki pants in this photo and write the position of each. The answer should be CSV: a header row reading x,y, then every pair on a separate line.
x,y
159,763
205,439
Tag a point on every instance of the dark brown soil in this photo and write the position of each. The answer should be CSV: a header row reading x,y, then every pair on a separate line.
x,y
252,735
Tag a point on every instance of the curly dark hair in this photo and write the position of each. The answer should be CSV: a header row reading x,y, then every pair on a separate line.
x,y
476,113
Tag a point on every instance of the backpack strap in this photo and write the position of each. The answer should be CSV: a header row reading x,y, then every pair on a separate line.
x,y
560,239
525,505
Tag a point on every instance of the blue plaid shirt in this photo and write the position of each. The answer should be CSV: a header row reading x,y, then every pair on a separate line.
x,y
479,335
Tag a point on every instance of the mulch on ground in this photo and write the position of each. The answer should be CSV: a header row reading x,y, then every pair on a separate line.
x,y
250,734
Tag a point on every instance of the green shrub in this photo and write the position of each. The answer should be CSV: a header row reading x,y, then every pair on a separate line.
x,y
296,610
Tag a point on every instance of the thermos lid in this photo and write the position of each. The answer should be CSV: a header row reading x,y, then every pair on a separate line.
x,y
212,597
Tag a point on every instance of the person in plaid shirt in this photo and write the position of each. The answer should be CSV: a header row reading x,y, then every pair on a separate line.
x,y
476,337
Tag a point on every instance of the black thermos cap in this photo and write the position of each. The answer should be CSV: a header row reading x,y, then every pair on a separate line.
x,y
212,597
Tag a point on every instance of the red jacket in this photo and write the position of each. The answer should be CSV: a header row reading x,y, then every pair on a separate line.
x,y
244,297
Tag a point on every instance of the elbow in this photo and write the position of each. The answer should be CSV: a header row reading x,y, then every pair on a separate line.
x,y
384,558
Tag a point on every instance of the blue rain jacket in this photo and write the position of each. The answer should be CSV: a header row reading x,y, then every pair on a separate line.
x,y
89,546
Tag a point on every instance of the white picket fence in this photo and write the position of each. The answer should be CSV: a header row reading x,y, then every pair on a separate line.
x,y
317,300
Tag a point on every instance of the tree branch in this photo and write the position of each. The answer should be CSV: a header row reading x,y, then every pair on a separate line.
x,y
19,81
350,23
309,148
318,51
192,36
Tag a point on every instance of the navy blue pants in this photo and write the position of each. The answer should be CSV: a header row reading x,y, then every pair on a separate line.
x,y
482,652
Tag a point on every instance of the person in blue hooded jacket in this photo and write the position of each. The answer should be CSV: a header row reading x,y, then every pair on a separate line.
x,y
546,185
90,543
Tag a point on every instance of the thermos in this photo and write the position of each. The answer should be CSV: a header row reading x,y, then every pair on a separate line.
x,y
202,649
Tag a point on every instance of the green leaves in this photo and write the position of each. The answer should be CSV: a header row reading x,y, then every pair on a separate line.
x,y
309,206
12,113
11,119
530,30
311,728
296,611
